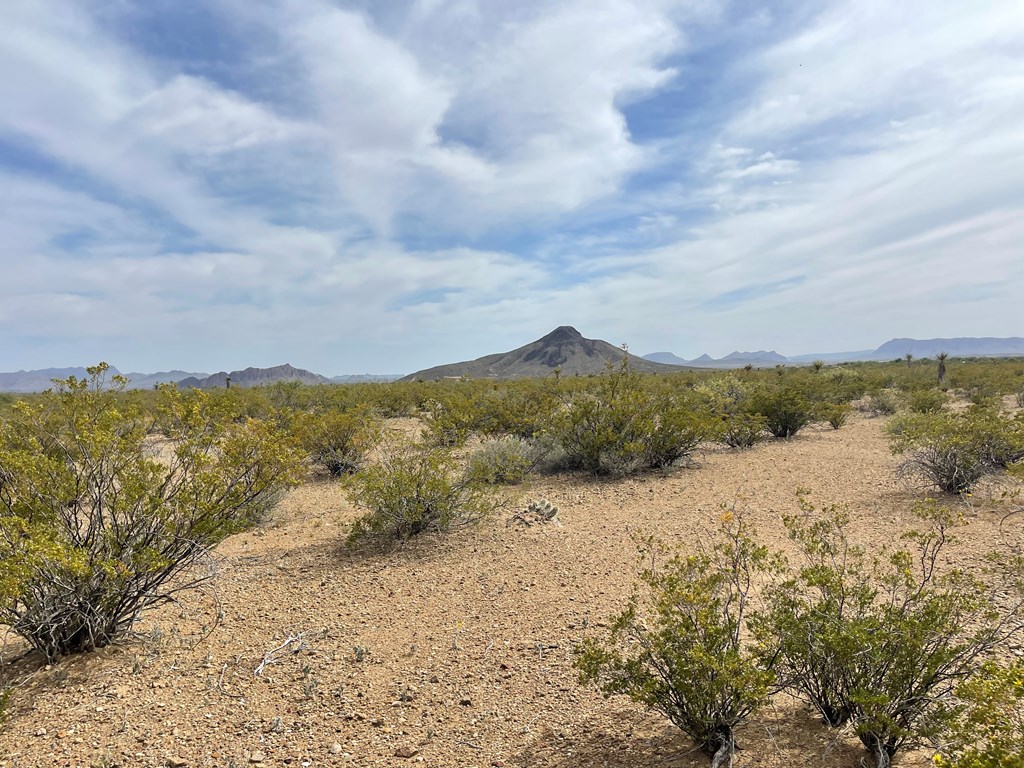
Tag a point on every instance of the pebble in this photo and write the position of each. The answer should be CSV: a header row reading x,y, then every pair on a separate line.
x,y
336,749
257,757
406,752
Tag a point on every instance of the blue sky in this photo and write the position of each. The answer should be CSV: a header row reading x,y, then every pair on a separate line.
x,y
383,186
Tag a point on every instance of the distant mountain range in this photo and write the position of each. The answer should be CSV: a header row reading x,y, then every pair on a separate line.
x,y
759,359
890,350
37,381
564,349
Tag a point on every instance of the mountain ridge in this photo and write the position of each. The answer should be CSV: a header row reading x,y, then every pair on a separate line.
x,y
564,349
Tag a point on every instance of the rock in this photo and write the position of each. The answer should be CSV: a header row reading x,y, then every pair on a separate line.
x,y
257,757
405,751
465,702
176,762
336,749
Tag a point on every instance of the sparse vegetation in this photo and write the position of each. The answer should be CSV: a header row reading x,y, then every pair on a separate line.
x,y
954,450
880,641
618,427
678,646
95,524
505,461
339,441
785,409
415,489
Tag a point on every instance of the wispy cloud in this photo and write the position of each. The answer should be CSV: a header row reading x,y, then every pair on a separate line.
x,y
357,186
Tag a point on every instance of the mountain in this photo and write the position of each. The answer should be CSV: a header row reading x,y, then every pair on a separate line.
x,y
564,348
37,381
833,357
40,380
760,359
665,357
760,356
357,378
957,347
150,380
254,377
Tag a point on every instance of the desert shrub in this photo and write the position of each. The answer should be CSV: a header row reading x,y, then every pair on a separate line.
x,y
1020,398
678,646
450,422
879,642
926,400
987,729
785,409
834,414
505,461
882,402
954,450
339,441
95,527
619,427
743,430
415,489
522,409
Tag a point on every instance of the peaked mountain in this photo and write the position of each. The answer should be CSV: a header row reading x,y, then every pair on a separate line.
x,y
564,348
255,377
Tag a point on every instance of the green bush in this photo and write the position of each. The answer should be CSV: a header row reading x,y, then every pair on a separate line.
x,y
95,524
882,402
988,728
835,414
678,646
523,409
505,461
451,421
926,400
619,427
415,489
338,441
743,430
785,409
879,642
954,450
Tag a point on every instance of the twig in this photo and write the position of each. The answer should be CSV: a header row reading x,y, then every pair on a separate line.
x,y
268,657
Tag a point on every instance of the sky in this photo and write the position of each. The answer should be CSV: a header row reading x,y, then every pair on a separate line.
x,y
382,186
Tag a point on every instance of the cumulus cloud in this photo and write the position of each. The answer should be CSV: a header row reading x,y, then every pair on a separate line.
x,y
393,185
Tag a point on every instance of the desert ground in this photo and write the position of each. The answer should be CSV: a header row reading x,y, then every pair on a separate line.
x,y
451,650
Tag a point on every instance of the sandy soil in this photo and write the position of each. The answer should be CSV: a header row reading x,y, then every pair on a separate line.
x,y
453,651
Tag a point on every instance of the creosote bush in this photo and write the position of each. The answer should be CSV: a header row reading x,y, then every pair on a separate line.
x,y
880,641
505,461
987,728
926,400
835,414
415,489
785,409
95,526
619,427
954,450
678,646
339,441
743,430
